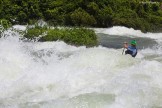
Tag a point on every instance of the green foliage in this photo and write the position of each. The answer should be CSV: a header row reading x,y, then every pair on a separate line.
x,y
52,14
105,16
82,18
5,23
1,6
73,36
32,33
93,8
155,7
22,17
103,13
147,7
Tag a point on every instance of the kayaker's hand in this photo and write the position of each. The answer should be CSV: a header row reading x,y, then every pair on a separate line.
x,y
125,45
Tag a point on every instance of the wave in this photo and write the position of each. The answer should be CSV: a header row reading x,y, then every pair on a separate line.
x,y
130,32
54,74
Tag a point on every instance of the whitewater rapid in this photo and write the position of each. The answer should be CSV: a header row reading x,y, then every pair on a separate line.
x,y
57,75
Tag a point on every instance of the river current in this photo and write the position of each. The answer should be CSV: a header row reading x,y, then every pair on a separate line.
x,y
57,75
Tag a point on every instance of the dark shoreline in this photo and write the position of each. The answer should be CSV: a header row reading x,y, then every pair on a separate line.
x,y
146,17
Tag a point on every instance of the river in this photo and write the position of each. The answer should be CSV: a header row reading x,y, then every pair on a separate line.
x,y
57,75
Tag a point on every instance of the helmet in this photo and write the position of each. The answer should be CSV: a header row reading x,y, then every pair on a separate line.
x,y
133,42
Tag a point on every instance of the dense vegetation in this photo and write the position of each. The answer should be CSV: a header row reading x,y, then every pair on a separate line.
x,y
139,14
73,36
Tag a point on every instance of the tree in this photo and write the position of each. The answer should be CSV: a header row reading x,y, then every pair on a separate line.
x,y
81,18
105,16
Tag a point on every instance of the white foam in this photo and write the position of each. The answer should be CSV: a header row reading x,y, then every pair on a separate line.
x,y
130,32
48,74
20,27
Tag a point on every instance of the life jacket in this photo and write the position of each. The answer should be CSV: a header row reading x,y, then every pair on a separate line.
x,y
132,51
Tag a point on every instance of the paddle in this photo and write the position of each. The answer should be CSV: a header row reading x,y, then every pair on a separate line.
x,y
125,45
123,51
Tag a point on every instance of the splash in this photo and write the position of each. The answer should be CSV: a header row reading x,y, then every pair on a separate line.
x,y
54,74
130,32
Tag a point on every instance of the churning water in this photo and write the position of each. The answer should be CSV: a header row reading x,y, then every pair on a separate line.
x,y
57,75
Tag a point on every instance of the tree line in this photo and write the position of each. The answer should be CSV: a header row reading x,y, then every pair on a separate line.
x,y
89,13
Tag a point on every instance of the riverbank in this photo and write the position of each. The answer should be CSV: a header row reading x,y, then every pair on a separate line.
x,y
144,16
73,36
